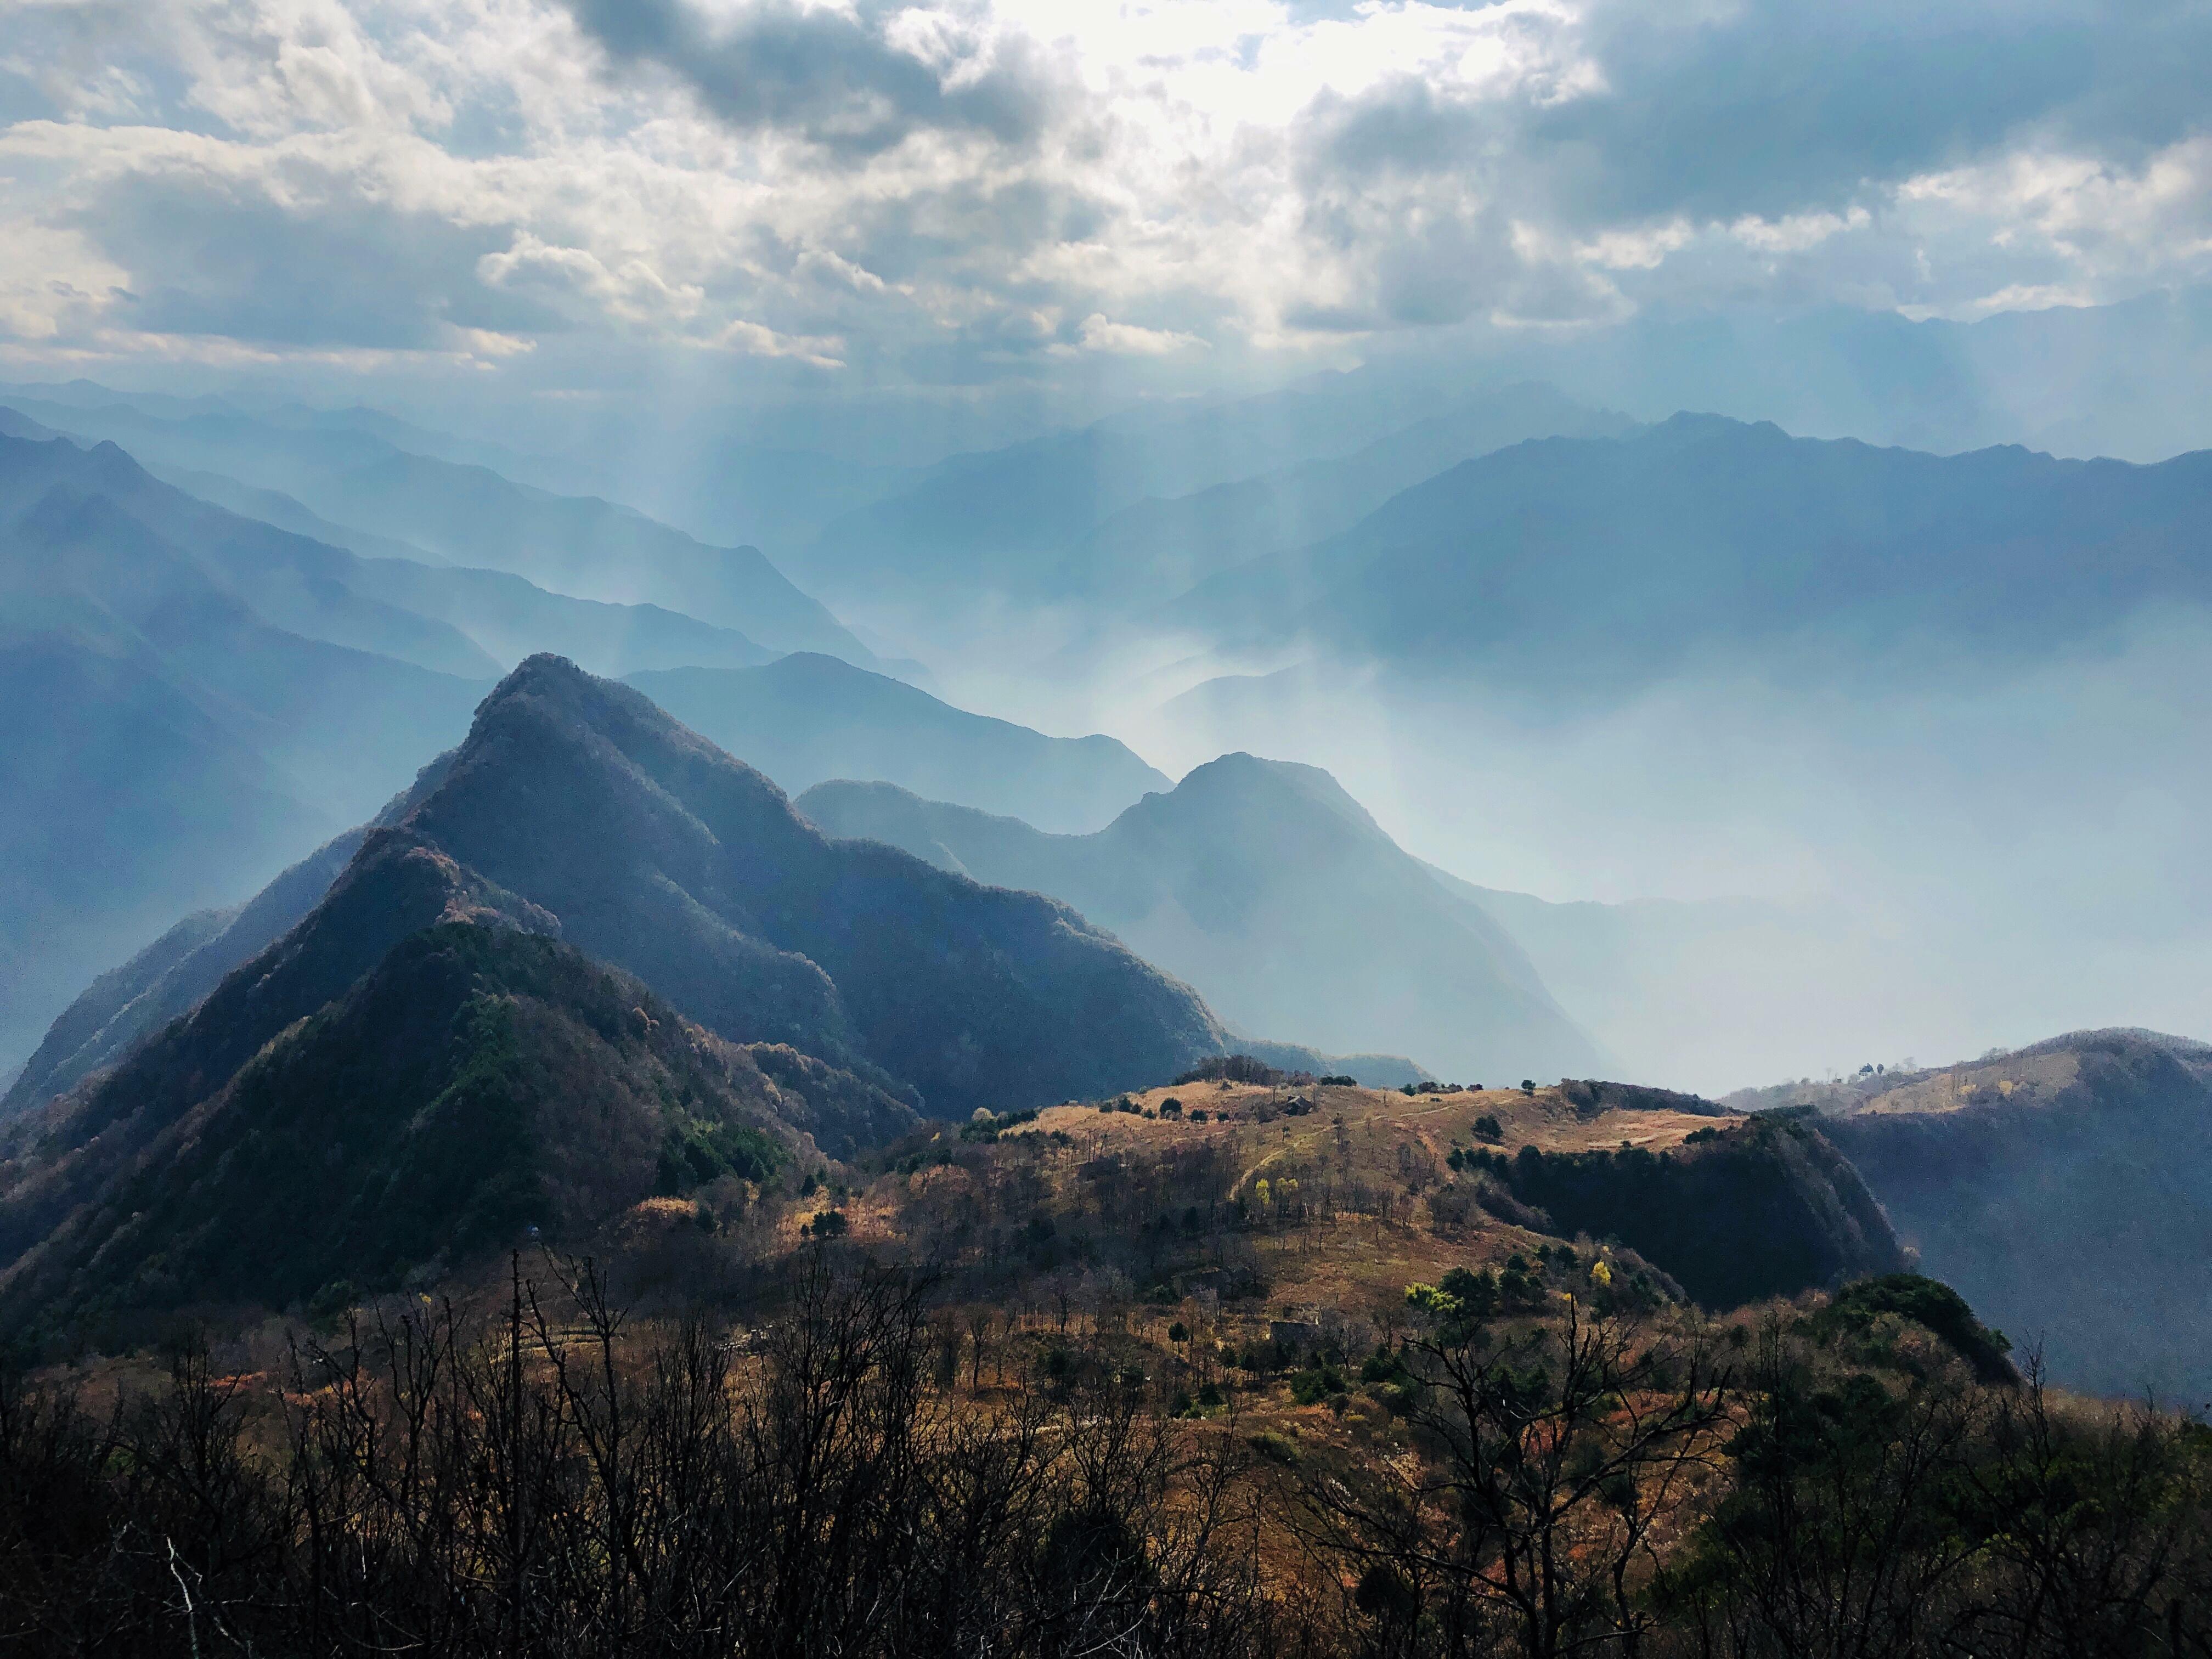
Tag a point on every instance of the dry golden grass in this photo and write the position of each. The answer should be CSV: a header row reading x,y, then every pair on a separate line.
x,y
2023,1078
1384,1139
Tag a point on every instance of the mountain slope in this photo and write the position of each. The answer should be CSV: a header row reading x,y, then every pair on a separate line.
x,y
472,516
283,561
293,583
1156,547
576,807
808,718
1044,520
663,856
122,803
174,748
1625,556
477,1082
169,977
1269,888
2065,1189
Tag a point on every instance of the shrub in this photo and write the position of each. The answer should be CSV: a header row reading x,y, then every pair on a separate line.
x,y
1310,1388
1232,1068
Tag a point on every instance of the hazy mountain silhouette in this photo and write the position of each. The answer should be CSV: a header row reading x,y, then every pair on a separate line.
x,y
179,748
1159,547
1268,887
506,616
454,619
1116,508
471,515
287,581
477,1081
1643,975
122,802
1622,558
806,717
2064,1189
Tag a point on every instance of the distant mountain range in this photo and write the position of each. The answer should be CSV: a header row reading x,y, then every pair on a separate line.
x,y
1132,509
806,719
1608,562
217,689
470,515
1272,890
2065,1189
173,746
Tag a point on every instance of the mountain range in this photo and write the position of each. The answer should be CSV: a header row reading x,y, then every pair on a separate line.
x,y
1145,504
175,746
469,515
1625,557
576,811
1272,890
806,719
2059,1187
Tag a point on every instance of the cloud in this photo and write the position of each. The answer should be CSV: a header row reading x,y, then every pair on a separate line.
x,y
318,265
957,191
855,80
1097,334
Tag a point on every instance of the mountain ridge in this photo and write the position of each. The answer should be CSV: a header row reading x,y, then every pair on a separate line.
x,y
2059,1185
1706,532
806,717
1269,888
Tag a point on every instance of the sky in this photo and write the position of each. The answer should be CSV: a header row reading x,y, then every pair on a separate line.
x,y
590,198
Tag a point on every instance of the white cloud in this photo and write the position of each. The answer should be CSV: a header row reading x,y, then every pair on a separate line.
x,y
976,187
1097,334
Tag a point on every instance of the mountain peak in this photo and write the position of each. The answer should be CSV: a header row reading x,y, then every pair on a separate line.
x,y
575,805
1247,777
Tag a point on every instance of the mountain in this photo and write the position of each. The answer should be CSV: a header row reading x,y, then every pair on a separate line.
x,y
287,581
1268,887
471,516
1132,499
2065,1189
806,717
505,616
451,1074
167,979
1620,559
416,608
176,747
1158,547
478,1082
641,843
